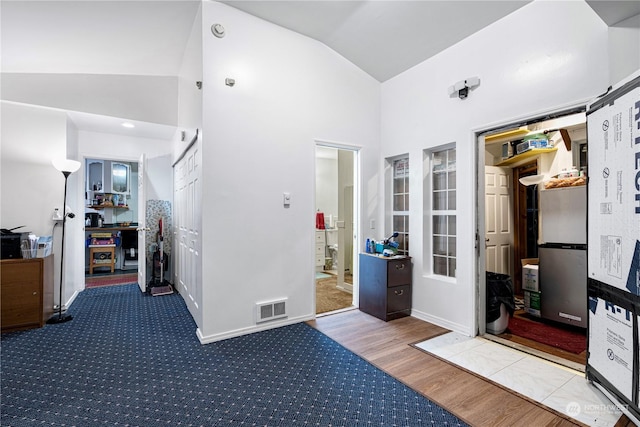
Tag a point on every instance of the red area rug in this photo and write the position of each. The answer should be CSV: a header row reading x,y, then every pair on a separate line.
x,y
569,340
119,279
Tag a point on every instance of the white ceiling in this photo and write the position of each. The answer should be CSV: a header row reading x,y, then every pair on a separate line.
x,y
613,12
104,124
147,37
95,37
384,38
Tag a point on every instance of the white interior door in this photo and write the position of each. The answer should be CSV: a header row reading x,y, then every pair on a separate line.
x,y
498,220
142,216
187,219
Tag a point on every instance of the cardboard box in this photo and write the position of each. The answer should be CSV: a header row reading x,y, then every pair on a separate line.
x,y
532,303
530,276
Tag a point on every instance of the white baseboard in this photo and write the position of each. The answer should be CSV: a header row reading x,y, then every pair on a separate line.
x,y
347,287
443,323
249,330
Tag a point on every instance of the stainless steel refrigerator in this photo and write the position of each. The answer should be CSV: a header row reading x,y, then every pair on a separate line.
x,y
563,255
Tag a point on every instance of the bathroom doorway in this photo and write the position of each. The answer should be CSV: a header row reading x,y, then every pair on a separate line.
x,y
336,227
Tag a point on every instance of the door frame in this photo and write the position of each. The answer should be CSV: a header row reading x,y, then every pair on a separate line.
x,y
357,203
480,293
520,224
141,229
82,190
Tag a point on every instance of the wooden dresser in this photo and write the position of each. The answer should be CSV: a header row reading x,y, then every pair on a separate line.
x,y
385,286
26,293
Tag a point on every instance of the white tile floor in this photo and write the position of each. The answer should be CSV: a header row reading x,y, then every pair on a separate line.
x,y
558,387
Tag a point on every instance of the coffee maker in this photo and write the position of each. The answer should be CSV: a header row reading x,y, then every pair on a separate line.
x,y
93,218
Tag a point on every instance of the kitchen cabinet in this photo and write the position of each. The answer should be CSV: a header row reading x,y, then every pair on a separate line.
x,y
26,293
106,176
120,178
385,286
95,175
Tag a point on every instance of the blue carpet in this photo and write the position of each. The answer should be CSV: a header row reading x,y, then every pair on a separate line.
x,y
133,360
322,275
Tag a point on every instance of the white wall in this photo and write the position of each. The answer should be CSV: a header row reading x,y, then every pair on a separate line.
x,y
258,142
189,96
30,186
327,184
159,177
522,72
624,49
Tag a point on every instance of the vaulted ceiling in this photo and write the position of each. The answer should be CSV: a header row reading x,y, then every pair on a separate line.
x,y
147,37
384,38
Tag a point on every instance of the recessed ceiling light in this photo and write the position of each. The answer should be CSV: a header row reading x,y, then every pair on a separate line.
x,y
128,125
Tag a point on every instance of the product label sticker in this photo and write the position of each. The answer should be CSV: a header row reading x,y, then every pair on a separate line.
x,y
610,254
611,344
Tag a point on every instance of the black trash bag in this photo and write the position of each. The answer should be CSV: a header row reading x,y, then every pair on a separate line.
x,y
499,291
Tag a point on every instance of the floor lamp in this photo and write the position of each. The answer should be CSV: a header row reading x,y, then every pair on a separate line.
x,y
67,167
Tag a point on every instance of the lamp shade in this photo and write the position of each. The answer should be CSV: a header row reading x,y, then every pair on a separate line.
x,y
531,180
66,165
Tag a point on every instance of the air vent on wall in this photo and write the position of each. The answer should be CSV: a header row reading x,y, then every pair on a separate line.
x,y
271,310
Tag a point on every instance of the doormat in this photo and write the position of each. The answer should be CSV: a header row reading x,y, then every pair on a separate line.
x,y
110,280
568,340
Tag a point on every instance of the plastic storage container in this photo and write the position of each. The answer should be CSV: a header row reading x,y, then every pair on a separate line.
x,y
500,302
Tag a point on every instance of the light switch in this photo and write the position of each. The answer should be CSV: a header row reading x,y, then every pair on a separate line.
x,y
286,199
372,224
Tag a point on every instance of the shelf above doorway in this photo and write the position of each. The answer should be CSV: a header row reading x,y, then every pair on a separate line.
x,y
526,155
107,207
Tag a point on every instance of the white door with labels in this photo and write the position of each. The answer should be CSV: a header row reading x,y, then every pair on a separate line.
x,y
498,220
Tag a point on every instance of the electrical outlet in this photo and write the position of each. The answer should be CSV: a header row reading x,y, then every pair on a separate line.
x,y
57,215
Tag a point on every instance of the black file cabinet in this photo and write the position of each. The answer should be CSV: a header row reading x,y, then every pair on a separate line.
x,y
385,286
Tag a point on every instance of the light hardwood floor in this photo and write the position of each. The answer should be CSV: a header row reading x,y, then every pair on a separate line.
x,y
471,398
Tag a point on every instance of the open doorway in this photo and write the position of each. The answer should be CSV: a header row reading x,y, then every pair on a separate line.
x,y
520,166
336,230
111,218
